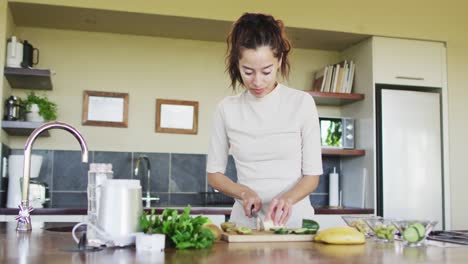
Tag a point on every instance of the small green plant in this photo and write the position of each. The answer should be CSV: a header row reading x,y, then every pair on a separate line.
x,y
47,109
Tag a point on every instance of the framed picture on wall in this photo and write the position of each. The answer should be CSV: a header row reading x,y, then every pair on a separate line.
x,y
176,116
105,109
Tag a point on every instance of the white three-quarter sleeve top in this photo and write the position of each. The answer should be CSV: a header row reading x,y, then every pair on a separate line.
x,y
274,140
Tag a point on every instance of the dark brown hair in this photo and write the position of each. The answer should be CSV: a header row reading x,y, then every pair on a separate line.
x,y
252,31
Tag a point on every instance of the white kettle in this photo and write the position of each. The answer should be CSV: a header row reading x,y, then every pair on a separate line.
x,y
14,52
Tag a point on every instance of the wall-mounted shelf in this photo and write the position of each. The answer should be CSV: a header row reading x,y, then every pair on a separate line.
x,y
22,128
343,152
24,78
335,99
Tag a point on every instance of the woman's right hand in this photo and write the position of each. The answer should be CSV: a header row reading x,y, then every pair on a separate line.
x,y
250,201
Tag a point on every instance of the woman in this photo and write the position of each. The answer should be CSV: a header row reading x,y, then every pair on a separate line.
x,y
271,130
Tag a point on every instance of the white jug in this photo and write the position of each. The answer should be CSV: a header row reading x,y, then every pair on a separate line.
x,y
120,208
14,53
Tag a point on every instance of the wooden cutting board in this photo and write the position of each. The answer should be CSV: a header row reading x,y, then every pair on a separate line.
x,y
264,236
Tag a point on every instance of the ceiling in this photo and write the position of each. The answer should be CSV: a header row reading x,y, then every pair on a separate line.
x,y
73,18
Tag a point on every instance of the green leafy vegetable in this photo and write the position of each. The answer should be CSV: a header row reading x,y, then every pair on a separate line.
x,y
182,231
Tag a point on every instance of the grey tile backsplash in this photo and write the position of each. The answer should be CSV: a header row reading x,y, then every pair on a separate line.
x,y
188,173
177,179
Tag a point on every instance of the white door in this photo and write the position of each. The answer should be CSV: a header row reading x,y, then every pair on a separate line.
x,y
411,155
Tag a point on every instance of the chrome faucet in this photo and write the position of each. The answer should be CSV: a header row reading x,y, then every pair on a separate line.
x,y
23,218
148,197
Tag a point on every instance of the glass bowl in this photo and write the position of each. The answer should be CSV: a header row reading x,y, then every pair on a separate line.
x,y
359,223
384,229
414,232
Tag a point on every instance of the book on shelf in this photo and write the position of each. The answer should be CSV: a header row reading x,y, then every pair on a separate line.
x,y
319,79
336,78
328,80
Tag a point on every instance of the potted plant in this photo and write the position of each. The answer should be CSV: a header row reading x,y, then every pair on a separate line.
x,y
149,239
171,229
39,108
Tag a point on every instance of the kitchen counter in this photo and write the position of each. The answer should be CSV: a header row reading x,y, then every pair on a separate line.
x,y
207,210
41,246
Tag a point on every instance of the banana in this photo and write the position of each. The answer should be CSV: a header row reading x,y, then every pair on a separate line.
x,y
340,235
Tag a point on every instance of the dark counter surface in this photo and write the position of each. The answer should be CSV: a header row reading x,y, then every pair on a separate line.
x,y
41,246
208,210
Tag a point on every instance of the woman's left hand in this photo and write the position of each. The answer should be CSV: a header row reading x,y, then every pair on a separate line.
x,y
279,211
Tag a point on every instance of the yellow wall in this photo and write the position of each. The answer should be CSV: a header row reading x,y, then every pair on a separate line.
x,y
147,68
421,19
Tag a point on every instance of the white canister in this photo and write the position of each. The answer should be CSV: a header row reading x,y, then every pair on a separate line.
x,y
14,53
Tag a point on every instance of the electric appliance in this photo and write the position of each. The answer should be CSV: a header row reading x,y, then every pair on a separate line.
x,y
14,55
120,208
337,132
409,153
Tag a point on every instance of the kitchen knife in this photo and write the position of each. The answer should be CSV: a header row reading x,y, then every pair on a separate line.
x,y
258,220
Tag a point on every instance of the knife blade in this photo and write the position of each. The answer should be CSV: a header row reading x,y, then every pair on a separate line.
x,y
258,220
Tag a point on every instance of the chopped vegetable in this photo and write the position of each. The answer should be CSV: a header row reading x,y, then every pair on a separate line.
x,y
414,233
360,226
283,231
310,224
269,225
228,225
300,231
385,232
243,230
275,228
297,231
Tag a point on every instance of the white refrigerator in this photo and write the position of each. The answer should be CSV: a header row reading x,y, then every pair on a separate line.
x,y
409,153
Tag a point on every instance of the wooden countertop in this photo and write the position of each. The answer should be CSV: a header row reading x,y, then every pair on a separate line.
x,y
208,210
41,246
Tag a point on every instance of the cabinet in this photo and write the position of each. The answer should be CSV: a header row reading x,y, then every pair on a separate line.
x,y
408,62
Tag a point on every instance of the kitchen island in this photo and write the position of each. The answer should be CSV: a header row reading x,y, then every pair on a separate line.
x,y
42,246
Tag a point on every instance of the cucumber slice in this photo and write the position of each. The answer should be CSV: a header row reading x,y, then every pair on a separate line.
x,y
311,232
275,228
411,235
420,228
300,231
310,224
282,231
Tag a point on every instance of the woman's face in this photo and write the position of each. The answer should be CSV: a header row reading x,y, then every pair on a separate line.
x,y
258,68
